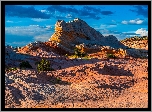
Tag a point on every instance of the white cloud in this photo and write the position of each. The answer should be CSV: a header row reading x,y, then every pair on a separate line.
x,y
124,22
139,22
136,21
43,37
20,43
37,32
113,21
8,21
43,10
68,16
123,35
48,27
23,30
111,26
39,19
31,30
103,26
142,32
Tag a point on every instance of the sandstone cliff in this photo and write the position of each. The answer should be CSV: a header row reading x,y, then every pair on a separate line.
x,y
78,32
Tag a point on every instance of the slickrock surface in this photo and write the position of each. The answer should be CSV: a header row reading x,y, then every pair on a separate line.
x,y
94,83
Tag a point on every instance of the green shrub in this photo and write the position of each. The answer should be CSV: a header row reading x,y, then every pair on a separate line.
x,y
44,65
11,69
78,53
66,55
58,79
25,64
86,57
111,56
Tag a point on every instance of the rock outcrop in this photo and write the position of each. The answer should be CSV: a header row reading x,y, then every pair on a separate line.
x,y
78,32
138,44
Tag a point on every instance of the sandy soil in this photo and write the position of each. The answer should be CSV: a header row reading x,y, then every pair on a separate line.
x,y
94,83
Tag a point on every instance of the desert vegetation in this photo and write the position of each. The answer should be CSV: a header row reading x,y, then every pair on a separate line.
x,y
44,65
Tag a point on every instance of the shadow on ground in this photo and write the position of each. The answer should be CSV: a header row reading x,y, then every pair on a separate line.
x,y
116,86
112,70
43,78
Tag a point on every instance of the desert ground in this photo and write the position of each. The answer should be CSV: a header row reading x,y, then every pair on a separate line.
x,y
84,83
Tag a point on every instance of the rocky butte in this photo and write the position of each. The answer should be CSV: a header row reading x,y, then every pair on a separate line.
x,y
78,32
74,33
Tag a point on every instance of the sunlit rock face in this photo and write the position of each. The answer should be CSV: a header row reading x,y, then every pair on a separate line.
x,y
78,32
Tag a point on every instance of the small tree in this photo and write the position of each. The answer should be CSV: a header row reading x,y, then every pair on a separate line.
x,y
111,56
77,52
44,65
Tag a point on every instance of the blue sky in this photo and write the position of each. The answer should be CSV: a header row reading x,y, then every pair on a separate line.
x,y
29,23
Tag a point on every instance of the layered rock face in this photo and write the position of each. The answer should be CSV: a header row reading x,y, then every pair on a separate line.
x,y
78,32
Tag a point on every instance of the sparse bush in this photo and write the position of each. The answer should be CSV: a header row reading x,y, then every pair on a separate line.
x,y
44,65
25,64
10,68
111,56
66,55
78,53
58,79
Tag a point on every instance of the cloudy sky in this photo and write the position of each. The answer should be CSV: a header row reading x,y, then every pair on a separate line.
x,y
28,23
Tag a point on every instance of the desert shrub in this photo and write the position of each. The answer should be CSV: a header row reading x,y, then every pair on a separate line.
x,y
25,64
78,53
66,55
10,68
58,79
111,56
44,65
